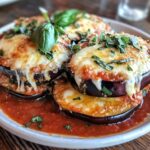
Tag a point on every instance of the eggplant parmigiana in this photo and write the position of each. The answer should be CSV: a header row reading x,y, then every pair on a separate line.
x,y
115,65
94,109
106,70
23,68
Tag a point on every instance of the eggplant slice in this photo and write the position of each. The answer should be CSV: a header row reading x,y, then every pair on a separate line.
x,y
117,88
98,110
104,71
24,71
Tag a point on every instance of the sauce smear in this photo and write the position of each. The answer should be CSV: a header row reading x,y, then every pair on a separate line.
x,y
22,111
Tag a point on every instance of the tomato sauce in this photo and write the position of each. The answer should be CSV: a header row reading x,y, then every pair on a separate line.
x,y
54,121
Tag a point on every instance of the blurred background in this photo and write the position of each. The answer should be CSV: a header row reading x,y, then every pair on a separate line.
x,y
133,12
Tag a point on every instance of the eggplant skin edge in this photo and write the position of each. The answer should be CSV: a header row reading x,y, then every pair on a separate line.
x,y
26,97
38,96
117,88
99,120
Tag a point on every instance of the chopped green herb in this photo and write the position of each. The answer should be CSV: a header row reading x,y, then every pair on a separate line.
x,y
37,119
93,41
112,53
102,36
77,98
21,29
101,63
68,127
129,68
1,52
76,48
121,61
119,41
144,92
82,35
106,91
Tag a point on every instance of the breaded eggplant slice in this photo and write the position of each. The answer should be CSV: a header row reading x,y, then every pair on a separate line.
x,y
24,70
103,70
94,109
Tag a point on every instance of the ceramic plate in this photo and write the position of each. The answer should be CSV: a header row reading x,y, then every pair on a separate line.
x,y
64,141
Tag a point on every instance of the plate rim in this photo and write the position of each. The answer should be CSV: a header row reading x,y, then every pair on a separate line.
x,y
64,141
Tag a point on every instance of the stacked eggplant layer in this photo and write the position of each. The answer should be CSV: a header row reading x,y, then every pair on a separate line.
x,y
27,67
105,71
104,82
100,110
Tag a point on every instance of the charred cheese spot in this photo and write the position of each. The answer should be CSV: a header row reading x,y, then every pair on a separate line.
x,y
92,106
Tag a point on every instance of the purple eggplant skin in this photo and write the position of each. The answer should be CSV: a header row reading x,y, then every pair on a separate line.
x,y
117,88
29,97
39,78
97,120
103,120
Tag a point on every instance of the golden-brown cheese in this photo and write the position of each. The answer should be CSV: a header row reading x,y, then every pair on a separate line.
x,y
25,21
92,106
86,23
84,67
20,53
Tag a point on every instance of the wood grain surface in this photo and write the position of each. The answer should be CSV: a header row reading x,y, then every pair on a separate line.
x,y
106,8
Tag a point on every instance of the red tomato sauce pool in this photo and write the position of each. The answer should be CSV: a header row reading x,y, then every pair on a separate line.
x,y
55,122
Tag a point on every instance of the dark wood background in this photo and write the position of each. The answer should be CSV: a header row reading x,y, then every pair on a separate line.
x,y
27,8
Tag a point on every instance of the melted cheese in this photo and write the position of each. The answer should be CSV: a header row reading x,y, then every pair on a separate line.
x,y
92,106
21,54
83,66
98,84
86,23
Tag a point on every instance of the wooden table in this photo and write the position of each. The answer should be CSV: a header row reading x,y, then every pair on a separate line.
x,y
106,8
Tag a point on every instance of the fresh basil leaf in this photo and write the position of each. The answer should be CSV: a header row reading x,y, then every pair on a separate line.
x,y
45,36
65,18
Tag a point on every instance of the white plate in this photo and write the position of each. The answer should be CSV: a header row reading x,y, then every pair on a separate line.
x,y
72,141
5,2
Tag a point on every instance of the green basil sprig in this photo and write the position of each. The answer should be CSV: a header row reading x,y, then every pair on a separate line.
x,y
45,36
65,18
